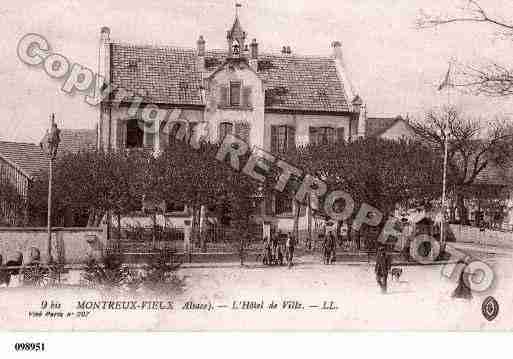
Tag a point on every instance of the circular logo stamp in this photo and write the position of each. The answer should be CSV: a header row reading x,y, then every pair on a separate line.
x,y
490,308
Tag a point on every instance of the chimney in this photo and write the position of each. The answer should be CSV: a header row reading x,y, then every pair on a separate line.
x,y
105,34
253,59
286,50
200,60
337,50
201,46
254,49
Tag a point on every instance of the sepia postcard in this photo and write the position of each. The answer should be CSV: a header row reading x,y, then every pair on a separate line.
x,y
219,165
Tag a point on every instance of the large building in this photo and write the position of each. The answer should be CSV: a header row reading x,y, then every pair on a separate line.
x,y
273,101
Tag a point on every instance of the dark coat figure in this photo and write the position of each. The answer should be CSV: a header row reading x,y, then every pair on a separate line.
x,y
462,290
274,249
383,265
329,248
325,249
332,246
266,258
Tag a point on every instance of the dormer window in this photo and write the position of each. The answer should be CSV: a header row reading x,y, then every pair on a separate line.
x,y
132,64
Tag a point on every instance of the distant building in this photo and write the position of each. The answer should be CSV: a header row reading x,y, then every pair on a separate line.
x,y
20,163
389,127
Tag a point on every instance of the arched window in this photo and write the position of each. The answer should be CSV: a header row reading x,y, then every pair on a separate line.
x,y
235,48
224,129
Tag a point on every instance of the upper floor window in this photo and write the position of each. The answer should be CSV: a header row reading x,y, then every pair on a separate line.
x,y
326,135
224,129
134,133
283,138
235,93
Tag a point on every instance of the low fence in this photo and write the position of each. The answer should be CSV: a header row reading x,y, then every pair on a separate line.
x,y
69,245
469,234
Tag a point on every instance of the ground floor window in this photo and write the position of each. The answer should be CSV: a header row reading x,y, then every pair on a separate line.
x,y
283,204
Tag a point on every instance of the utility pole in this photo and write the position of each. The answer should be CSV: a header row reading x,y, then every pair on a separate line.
x,y
53,144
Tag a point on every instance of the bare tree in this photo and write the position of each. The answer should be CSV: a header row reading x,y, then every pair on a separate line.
x,y
492,79
473,146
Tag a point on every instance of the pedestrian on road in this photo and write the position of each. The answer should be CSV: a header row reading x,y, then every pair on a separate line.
x,y
462,291
290,244
332,248
383,265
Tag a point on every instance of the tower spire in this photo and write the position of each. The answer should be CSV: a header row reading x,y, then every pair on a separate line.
x,y
236,35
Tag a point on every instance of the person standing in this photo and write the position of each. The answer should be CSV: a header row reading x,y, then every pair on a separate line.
x,y
383,265
332,245
290,244
462,290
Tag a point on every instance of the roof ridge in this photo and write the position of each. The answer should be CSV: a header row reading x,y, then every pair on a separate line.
x,y
191,49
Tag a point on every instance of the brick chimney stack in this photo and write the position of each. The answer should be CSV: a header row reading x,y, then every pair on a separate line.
x,y
286,50
105,34
201,46
200,60
253,59
337,50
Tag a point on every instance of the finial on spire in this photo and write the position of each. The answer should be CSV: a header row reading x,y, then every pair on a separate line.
x,y
237,6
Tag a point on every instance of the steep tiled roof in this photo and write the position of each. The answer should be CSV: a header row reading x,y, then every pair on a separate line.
x,y
375,126
165,75
74,140
27,157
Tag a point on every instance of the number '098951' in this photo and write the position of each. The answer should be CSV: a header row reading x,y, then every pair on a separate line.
x,y
29,347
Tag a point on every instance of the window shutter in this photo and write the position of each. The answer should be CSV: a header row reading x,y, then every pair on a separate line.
x,y
246,96
340,134
242,131
223,100
291,138
312,135
269,205
149,138
163,137
274,139
121,134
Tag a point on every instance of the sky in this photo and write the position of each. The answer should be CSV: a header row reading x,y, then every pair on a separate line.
x,y
395,67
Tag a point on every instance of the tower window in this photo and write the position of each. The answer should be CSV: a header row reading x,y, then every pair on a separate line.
x,y
235,48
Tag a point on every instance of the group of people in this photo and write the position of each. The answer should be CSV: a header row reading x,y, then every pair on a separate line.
x,y
277,249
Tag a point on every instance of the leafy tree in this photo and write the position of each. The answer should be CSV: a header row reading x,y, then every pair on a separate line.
x,y
473,147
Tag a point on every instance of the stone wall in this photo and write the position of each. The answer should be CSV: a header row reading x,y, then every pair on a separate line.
x,y
71,245
468,234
